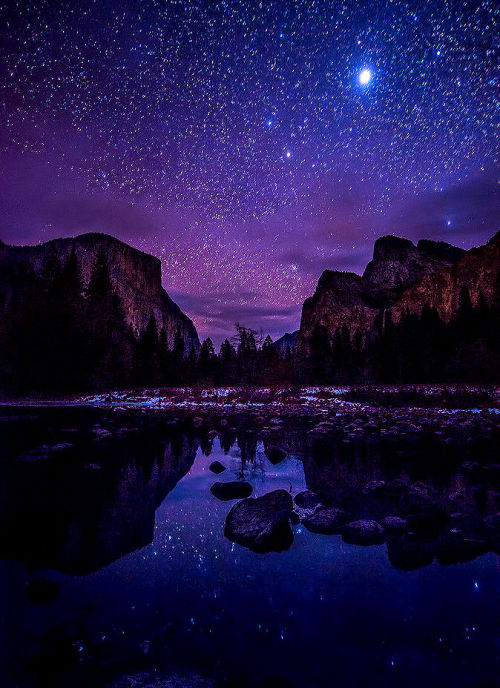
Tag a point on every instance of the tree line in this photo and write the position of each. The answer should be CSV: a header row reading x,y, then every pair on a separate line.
x,y
419,348
58,336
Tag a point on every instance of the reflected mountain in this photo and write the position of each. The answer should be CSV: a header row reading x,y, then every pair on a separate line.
x,y
77,506
281,576
80,489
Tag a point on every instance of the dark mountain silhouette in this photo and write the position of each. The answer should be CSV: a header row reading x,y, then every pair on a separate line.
x,y
87,313
400,277
134,275
286,343
418,313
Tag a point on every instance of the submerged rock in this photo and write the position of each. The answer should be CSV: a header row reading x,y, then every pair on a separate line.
x,y
237,489
262,523
394,524
217,467
326,520
307,499
393,488
275,454
41,591
61,447
364,532
408,554
373,486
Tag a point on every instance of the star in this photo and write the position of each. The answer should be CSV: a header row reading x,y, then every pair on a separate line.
x,y
208,102
365,76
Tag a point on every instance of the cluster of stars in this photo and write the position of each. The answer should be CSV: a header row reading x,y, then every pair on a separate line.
x,y
235,112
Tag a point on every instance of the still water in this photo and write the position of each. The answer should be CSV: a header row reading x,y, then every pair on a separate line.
x,y
120,514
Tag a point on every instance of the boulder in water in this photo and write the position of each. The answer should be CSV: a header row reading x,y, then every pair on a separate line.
x,y
327,520
262,524
307,499
363,532
237,489
217,467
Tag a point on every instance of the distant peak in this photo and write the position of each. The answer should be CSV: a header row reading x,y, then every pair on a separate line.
x,y
440,250
391,244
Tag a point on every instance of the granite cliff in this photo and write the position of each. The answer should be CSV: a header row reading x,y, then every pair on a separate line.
x,y
136,277
477,269
401,277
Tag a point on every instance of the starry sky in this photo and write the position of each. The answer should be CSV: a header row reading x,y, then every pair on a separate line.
x,y
249,145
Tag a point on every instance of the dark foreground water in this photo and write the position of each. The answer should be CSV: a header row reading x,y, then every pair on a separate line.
x,y
120,514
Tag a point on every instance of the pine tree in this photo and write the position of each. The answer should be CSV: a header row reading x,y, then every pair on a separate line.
x,y
320,357
206,360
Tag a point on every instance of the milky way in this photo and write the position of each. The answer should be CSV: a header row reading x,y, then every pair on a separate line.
x,y
248,145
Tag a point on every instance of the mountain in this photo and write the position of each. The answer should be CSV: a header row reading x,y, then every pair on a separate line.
x,y
397,263
478,269
401,276
135,276
286,342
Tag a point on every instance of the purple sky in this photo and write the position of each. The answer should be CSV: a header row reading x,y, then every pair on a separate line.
x,y
249,151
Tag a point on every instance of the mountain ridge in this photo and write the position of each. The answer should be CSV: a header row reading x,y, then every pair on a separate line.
x,y
135,275
402,276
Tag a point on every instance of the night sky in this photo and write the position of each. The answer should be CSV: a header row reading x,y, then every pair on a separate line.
x,y
249,145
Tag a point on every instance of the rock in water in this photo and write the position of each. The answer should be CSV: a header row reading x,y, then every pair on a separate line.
x,y
327,520
217,467
275,454
408,554
364,532
394,524
262,523
237,489
307,499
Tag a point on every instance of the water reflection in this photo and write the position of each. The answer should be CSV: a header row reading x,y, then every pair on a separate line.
x,y
76,498
126,500
77,505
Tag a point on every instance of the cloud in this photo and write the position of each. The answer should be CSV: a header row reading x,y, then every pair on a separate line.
x,y
215,314
39,203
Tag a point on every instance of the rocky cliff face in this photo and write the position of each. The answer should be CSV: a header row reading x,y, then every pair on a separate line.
x,y
341,298
398,263
401,276
477,269
135,275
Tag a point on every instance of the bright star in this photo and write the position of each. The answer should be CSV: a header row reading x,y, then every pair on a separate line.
x,y
365,76
288,154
